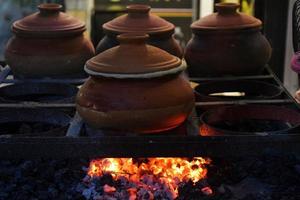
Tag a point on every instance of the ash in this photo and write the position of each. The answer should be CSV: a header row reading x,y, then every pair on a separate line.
x,y
272,176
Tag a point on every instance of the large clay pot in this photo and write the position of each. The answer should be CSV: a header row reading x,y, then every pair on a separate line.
x,y
48,44
135,87
140,20
227,43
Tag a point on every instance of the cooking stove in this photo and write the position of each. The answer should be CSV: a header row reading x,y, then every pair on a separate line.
x,y
81,141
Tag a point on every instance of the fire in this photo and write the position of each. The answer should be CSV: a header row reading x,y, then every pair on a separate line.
x,y
169,171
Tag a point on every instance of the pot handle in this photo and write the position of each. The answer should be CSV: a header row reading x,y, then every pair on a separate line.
x,y
138,10
49,8
227,8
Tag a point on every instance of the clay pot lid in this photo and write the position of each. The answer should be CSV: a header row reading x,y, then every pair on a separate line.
x,y
133,58
48,22
139,20
226,18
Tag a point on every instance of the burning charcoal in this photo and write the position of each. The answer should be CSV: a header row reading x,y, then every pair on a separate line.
x,y
106,179
277,174
202,183
122,194
144,194
207,191
86,179
170,194
104,197
147,179
108,189
122,181
160,195
188,191
132,193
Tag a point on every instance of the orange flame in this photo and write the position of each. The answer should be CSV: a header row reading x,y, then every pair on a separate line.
x,y
171,171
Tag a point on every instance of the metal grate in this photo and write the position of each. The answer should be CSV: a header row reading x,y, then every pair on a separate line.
x,y
151,145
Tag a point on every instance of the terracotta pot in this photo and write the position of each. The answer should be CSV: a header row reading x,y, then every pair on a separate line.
x,y
135,87
140,20
227,43
48,44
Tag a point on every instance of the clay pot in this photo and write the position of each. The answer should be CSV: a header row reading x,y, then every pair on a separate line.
x,y
48,43
135,87
227,43
140,20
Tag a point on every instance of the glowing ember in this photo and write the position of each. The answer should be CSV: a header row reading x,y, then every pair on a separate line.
x,y
170,172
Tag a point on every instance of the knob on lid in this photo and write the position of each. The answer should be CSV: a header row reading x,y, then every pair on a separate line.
x,y
139,19
132,56
48,22
226,18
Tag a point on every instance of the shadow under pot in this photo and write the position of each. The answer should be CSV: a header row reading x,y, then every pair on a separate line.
x,y
48,43
135,87
258,120
21,122
236,90
41,92
227,43
140,20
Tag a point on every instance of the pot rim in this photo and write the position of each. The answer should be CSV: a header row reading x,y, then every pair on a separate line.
x,y
157,74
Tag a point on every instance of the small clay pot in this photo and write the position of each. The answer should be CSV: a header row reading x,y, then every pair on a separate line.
x,y
48,43
227,43
140,20
135,87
